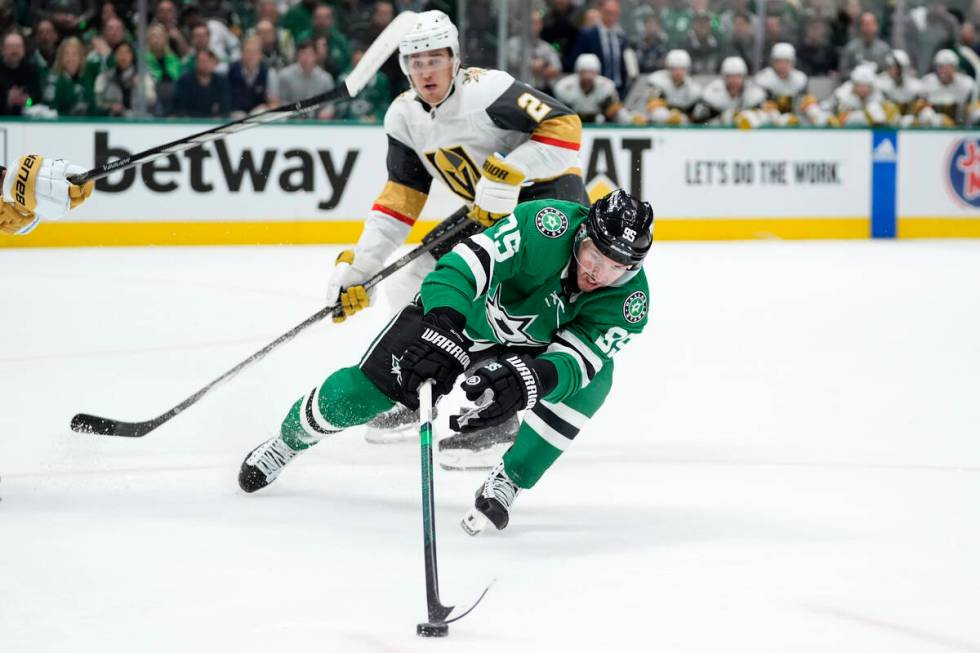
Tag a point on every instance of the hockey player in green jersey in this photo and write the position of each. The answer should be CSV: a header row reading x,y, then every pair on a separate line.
x,y
533,309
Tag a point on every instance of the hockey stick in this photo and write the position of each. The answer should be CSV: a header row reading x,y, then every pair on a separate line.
x,y
440,616
372,60
84,423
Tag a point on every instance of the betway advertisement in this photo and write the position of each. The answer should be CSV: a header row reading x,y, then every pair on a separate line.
x,y
316,172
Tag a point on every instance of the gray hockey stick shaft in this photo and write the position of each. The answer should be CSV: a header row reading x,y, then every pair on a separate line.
x,y
374,57
85,423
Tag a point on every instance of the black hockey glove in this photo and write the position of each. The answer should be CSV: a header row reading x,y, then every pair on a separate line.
x,y
440,354
501,388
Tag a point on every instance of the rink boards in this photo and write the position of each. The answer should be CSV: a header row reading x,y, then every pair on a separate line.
x,y
314,183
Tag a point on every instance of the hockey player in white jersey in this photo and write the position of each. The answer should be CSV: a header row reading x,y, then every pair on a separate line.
x,y
859,102
37,189
490,139
786,89
732,99
672,93
951,95
593,97
901,87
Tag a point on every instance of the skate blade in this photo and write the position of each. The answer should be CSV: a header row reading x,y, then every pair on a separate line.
x,y
462,460
474,522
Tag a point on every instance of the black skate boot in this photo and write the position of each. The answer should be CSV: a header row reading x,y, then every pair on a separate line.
x,y
493,501
264,463
479,449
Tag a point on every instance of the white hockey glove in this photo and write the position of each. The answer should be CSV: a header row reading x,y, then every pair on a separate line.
x,y
497,191
38,189
346,285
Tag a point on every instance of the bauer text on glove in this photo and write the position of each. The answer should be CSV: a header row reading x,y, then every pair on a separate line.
x,y
38,188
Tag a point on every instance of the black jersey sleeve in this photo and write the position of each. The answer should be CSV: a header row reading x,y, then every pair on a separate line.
x,y
525,109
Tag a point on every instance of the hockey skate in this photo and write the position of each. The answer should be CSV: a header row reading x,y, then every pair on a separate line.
x,y
479,450
264,464
493,501
400,424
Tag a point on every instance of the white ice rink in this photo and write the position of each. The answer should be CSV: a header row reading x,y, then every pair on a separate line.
x,y
789,462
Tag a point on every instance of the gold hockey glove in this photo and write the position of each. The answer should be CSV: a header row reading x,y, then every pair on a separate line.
x,y
496,192
350,298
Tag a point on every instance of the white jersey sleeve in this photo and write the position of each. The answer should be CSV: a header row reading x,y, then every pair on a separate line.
x,y
555,131
405,192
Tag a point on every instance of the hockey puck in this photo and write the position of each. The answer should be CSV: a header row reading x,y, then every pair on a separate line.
x,y
432,630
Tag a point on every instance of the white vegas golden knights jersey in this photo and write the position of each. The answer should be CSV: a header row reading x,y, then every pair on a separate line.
x,y
683,97
600,104
786,93
852,110
487,112
902,95
718,104
953,99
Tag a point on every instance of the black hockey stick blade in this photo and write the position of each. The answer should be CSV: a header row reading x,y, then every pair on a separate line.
x,y
84,423
455,613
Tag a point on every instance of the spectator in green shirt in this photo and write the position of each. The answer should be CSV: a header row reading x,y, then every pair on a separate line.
x,y
45,46
66,89
163,65
161,62
299,19
677,20
337,46
372,102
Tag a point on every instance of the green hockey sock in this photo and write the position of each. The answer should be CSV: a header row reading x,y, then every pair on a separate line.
x,y
529,458
347,398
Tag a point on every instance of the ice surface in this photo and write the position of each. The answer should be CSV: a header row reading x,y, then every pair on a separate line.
x,y
789,461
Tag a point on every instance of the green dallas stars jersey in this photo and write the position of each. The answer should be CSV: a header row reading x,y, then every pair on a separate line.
x,y
507,281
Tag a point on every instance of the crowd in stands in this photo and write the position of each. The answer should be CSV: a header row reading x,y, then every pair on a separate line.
x,y
741,62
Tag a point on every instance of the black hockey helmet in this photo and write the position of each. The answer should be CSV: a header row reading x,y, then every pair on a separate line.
x,y
621,226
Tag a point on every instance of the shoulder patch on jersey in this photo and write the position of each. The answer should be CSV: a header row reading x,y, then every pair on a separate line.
x,y
551,222
472,74
635,307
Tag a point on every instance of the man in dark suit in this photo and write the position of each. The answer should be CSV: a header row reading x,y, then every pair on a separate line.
x,y
607,41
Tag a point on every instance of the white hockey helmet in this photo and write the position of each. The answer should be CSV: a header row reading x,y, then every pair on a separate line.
x,y
678,59
734,66
863,74
433,31
899,58
783,52
945,58
587,61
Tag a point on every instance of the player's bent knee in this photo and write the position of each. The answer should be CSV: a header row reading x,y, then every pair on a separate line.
x,y
348,398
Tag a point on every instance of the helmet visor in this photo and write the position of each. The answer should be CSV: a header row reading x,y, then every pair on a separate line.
x,y
427,62
597,268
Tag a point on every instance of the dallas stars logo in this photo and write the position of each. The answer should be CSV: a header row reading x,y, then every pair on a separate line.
x,y
551,222
514,329
635,307
396,367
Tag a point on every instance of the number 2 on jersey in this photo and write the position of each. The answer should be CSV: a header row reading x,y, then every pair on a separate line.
x,y
533,107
